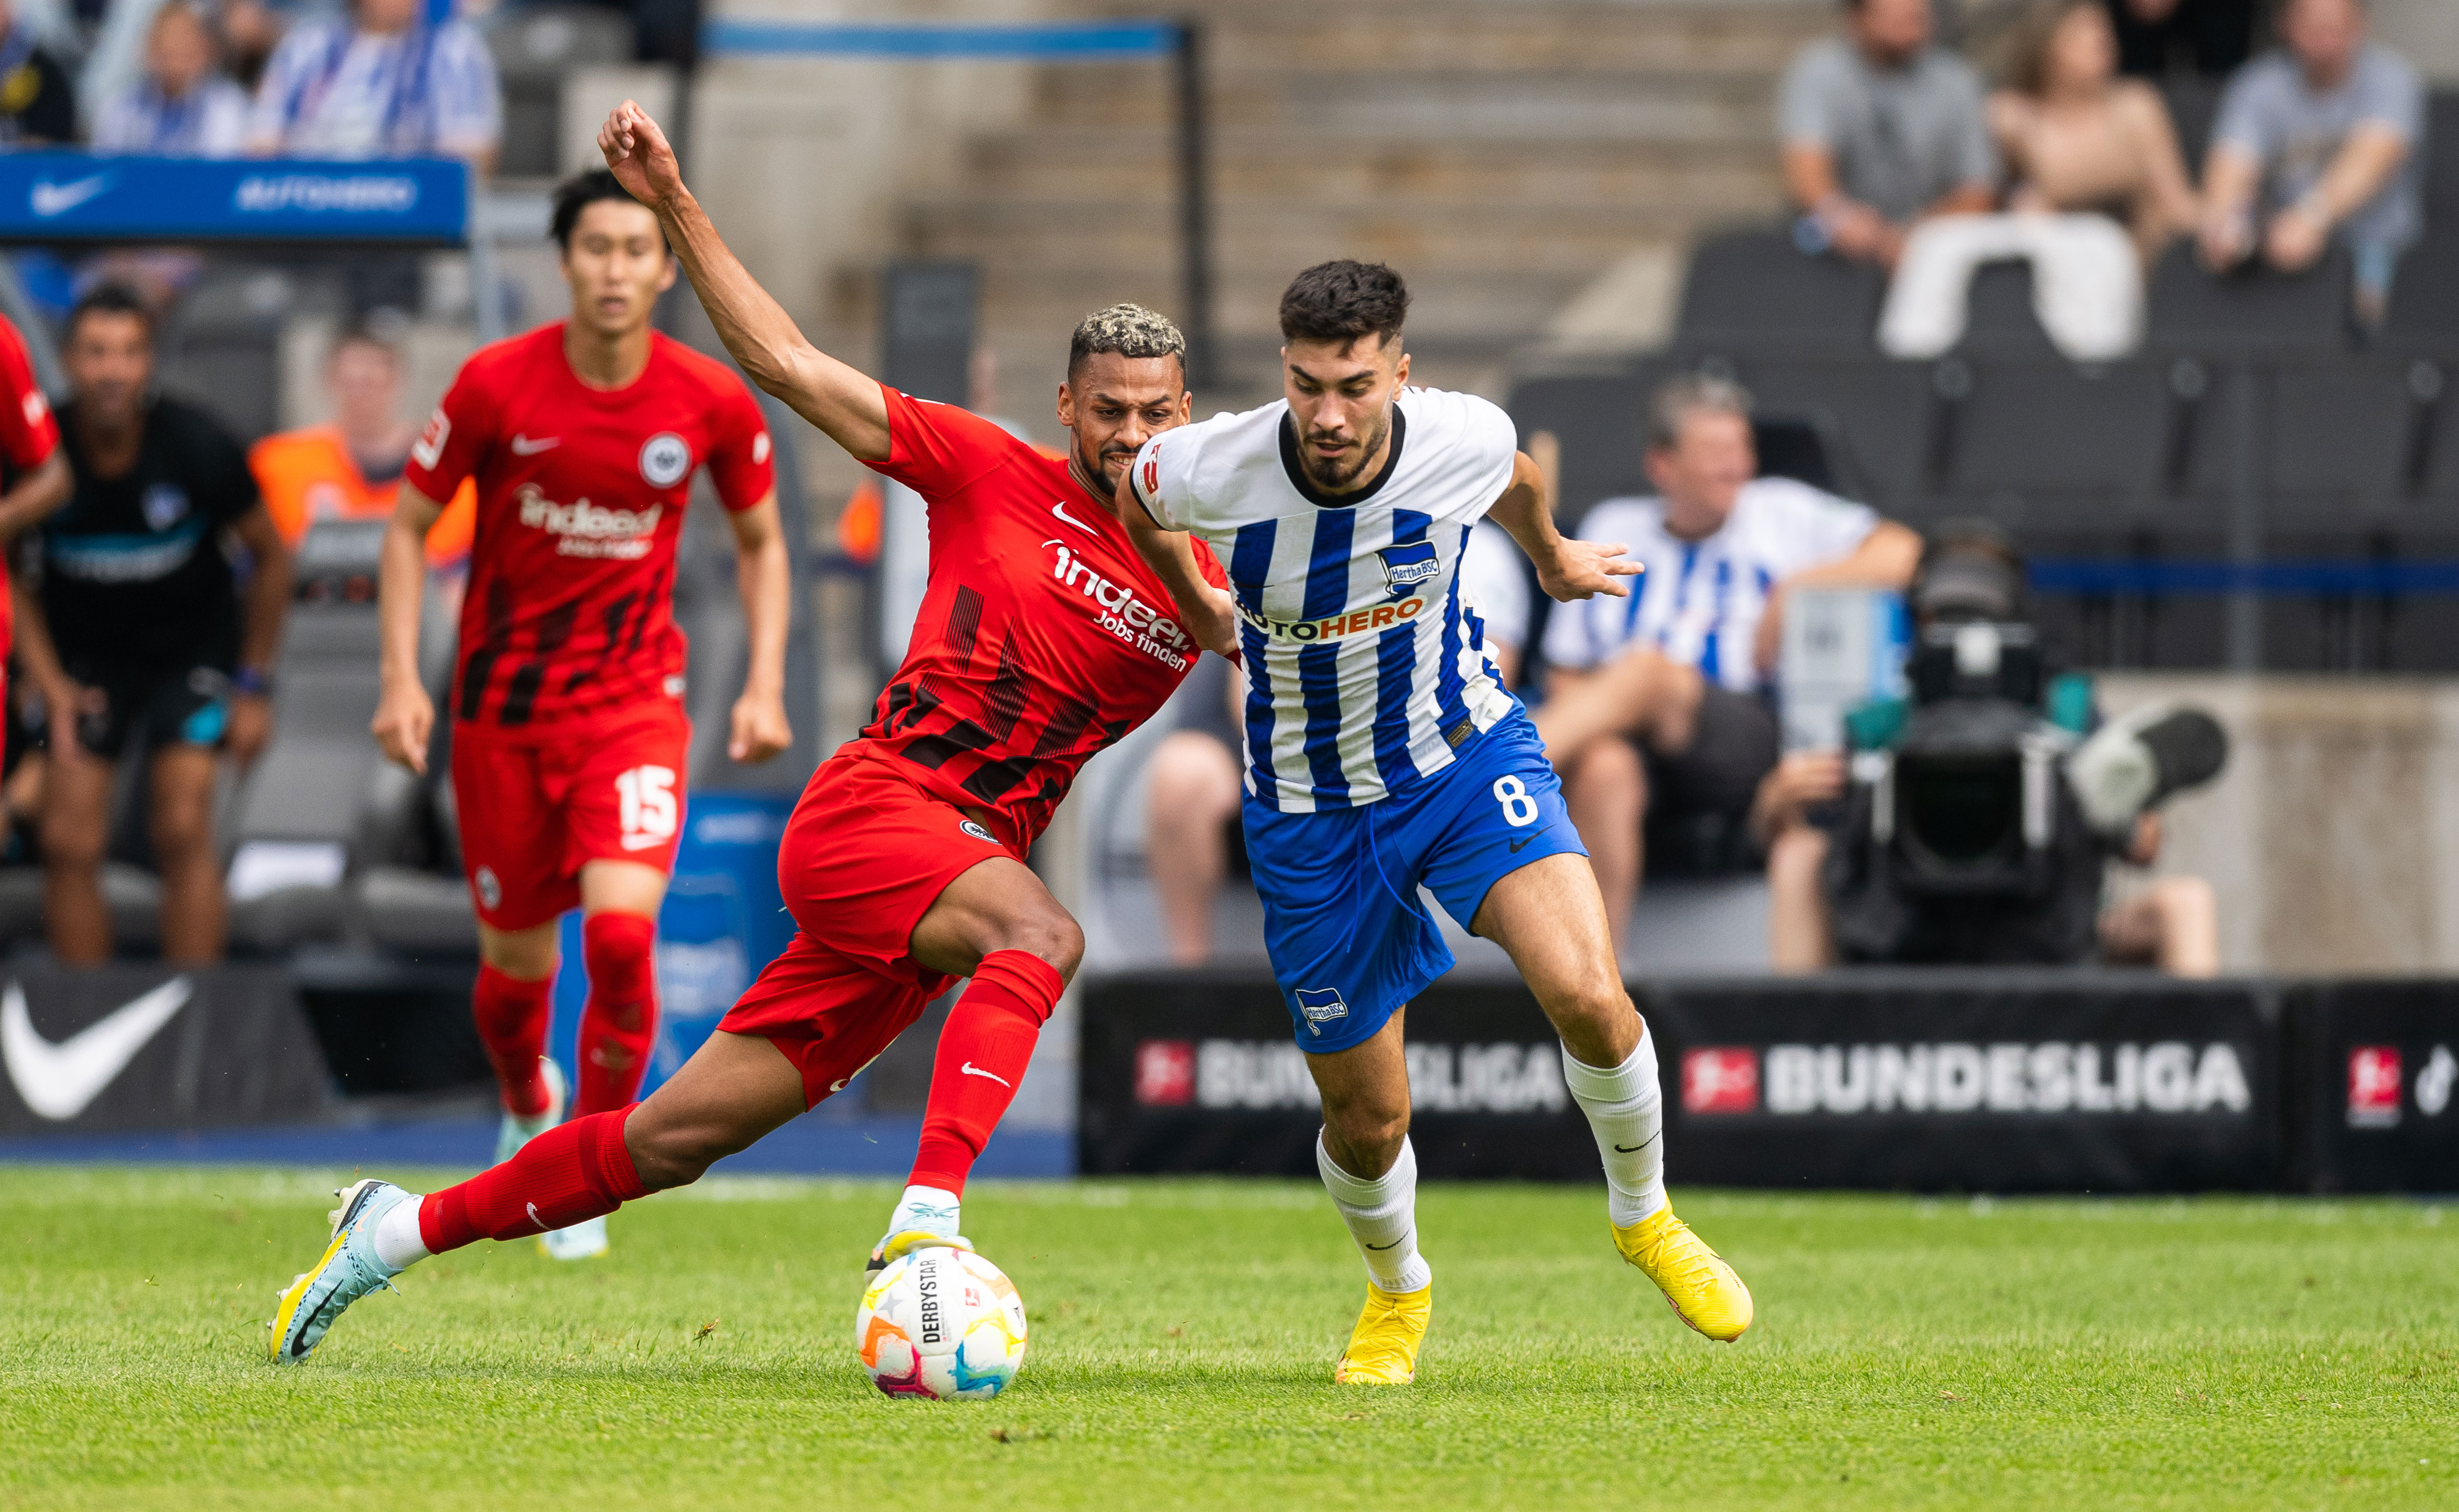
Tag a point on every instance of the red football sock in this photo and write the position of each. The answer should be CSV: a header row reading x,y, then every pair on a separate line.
x,y
575,1171
982,1055
512,1017
621,1019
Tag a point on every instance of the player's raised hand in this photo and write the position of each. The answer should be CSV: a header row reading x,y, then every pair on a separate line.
x,y
759,730
642,160
1585,569
405,719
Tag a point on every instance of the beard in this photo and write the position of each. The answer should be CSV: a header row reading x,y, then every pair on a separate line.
x,y
1335,475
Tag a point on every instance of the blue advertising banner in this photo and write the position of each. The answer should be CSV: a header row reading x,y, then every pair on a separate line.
x,y
722,923
72,197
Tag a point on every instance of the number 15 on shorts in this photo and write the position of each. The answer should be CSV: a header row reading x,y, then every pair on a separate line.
x,y
646,802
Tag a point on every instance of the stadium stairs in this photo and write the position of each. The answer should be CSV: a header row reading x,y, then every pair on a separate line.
x,y
1505,157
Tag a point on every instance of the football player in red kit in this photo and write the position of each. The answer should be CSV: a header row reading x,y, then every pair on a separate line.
x,y
569,733
36,470
1042,639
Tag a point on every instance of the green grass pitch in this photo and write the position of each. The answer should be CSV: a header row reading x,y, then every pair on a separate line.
x,y
1908,1354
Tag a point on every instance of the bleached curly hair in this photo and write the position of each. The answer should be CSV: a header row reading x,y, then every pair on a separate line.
x,y
1129,330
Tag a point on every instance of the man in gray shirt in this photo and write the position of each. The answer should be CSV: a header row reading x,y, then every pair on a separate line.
x,y
2316,142
1882,129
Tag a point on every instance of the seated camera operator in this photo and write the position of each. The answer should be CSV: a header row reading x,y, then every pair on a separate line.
x,y
1656,712
1977,824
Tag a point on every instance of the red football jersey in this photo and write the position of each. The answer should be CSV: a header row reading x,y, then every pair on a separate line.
x,y
29,434
1042,636
581,492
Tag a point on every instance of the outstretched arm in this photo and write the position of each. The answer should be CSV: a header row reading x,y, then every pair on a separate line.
x,y
840,400
1565,569
1206,611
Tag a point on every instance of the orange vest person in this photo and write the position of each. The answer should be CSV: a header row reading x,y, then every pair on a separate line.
x,y
323,472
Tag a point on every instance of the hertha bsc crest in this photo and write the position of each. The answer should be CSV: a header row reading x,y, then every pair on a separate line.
x,y
1408,565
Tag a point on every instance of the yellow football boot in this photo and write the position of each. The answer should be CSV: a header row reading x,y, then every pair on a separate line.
x,y
1699,1285
1383,1350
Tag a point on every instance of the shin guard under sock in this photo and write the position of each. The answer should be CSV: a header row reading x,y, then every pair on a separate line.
x,y
575,1171
512,1017
1382,1217
1626,1114
983,1051
619,1022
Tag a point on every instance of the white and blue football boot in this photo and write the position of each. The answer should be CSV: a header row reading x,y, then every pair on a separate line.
x,y
921,1221
348,1270
517,1131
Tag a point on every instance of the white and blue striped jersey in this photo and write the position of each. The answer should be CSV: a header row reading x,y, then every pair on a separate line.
x,y
1366,662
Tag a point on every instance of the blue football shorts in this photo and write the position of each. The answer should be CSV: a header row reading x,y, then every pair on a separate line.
x,y
1350,938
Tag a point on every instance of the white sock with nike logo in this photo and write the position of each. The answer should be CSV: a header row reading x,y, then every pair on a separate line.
x,y
1382,1217
1626,1113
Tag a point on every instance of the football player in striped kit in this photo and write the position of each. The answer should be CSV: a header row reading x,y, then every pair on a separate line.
x,y
1383,755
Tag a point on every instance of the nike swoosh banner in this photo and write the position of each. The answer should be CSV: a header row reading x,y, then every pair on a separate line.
x,y
131,1048
1948,1079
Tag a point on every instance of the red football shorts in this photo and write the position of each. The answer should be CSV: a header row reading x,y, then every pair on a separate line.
x,y
865,855
537,804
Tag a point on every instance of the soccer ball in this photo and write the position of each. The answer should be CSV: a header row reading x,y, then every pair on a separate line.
x,y
940,1323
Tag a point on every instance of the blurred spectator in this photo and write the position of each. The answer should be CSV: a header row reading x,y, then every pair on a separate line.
x,y
381,80
37,103
351,469
2077,138
2156,38
185,106
1882,130
1194,781
141,636
1657,710
2317,142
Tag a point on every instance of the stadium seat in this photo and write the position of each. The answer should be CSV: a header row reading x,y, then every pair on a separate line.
x,y
2442,160
1881,411
535,47
1756,288
1999,319
2048,446
2424,314
1597,420
2194,106
220,344
2336,441
2192,310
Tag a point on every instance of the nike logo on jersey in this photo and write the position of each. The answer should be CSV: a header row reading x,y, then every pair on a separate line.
x,y
58,1081
1518,845
1061,510
971,1069
523,446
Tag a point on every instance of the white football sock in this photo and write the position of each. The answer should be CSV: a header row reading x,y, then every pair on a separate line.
x,y
1382,1217
1626,1113
398,1242
932,1208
